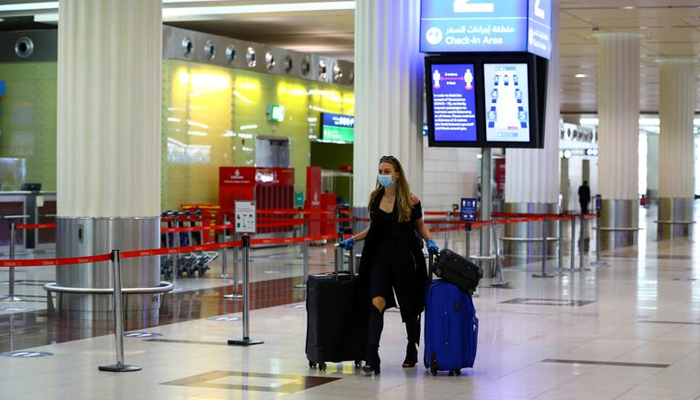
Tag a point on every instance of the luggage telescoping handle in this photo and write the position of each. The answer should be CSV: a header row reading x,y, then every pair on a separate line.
x,y
431,265
338,258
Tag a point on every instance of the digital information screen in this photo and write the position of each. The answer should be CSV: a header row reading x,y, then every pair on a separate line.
x,y
454,102
486,26
337,128
507,102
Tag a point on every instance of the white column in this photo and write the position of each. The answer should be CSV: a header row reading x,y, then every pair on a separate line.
x,y
652,165
618,136
109,96
109,119
618,112
677,102
678,91
532,175
388,92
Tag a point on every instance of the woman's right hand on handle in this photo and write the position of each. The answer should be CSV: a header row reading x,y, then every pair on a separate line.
x,y
347,244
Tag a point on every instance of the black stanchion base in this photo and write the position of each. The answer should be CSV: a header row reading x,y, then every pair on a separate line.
x,y
245,342
543,276
119,368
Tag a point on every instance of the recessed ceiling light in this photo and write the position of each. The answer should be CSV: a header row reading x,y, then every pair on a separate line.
x,y
628,8
580,75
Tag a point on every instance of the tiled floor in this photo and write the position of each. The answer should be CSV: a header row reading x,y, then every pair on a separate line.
x,y
630,330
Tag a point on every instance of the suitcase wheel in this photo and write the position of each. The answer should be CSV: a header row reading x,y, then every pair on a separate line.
x,y
452,373
458,372
322,366
358,363
312,365
434,371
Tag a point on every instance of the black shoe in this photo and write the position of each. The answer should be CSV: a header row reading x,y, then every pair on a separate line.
x,y
411,356
373,364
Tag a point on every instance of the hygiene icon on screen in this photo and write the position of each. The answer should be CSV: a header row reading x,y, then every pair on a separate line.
x,y
436,79
469,79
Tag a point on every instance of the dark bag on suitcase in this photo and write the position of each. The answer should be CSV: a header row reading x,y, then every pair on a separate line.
x,y
457,270
451,328
336,330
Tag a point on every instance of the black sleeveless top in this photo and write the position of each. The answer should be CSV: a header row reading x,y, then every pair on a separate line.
x,y
391,241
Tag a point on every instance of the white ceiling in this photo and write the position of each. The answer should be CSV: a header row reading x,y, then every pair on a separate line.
x,y
669,29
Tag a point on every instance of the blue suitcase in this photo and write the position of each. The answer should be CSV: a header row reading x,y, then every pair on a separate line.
x,y
451,328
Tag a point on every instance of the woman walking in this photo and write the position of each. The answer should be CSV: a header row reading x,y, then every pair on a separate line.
x,y
392,260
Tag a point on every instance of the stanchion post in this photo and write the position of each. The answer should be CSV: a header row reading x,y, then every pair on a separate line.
x,y
176,260
467,233
447,232
572,266
234,290
582,244
118,318
246,341
497,254
543,273
304,257
224,251
598,242
13,242
560,245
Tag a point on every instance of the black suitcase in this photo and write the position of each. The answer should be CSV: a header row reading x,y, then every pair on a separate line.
x,y
336,330
457,270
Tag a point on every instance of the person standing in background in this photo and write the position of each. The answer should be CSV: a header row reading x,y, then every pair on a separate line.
x,y
584,197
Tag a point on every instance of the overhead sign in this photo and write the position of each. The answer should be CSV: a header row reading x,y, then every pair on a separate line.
x,y
337,128
461,26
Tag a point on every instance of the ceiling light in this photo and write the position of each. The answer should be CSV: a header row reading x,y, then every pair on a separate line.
x,y
176,12
580,75
628,8
46,17
49,5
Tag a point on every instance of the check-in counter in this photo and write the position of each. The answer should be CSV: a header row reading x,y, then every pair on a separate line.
x,y
23,207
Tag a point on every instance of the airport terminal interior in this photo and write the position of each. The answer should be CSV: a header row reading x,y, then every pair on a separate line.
x,y
205,199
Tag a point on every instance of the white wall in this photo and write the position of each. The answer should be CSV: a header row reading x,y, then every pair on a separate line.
x,y
448,175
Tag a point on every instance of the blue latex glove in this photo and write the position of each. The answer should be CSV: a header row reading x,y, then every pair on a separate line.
x,y
432,247
347,244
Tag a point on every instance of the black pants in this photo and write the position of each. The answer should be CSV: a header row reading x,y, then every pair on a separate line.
x,y
584,208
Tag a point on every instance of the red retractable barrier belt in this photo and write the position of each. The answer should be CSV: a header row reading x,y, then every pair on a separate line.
x,y
279,224
196,228
179,250
54,261
35,226
316,238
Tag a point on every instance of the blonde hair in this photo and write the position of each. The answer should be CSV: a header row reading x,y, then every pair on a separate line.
x,y
403,191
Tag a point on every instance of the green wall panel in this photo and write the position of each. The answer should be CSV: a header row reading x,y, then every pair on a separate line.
x,y
211,117
28,120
